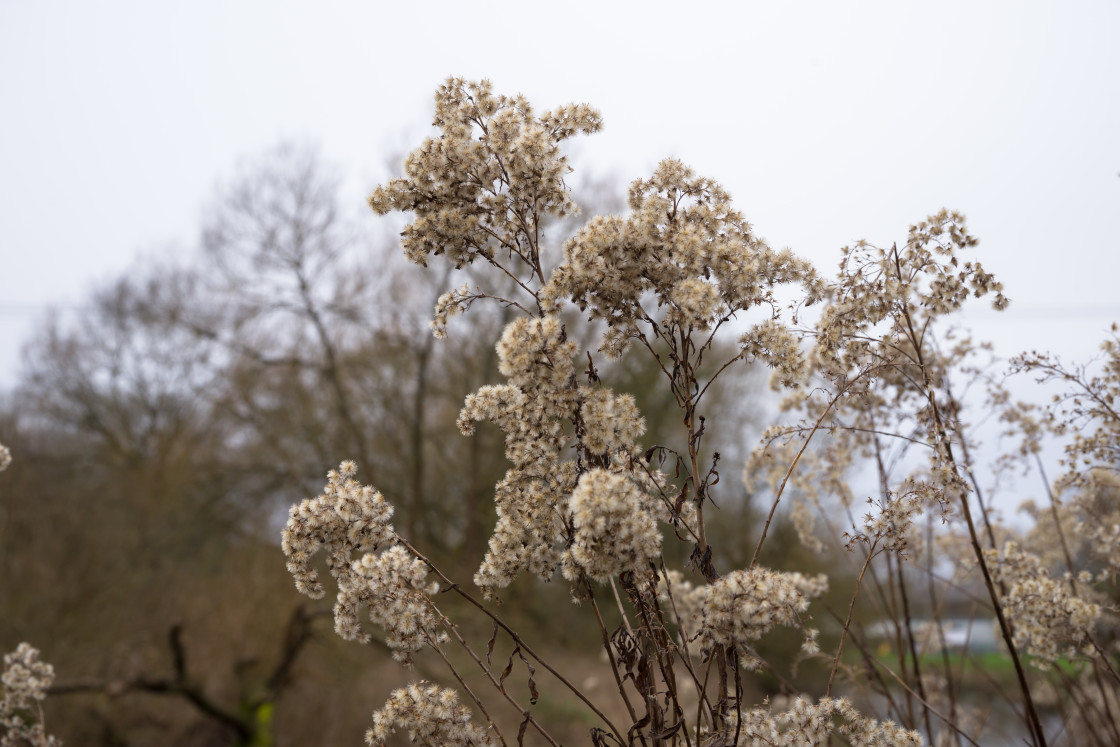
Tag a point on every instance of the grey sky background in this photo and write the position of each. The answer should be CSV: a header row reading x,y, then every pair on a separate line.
x,y
828,122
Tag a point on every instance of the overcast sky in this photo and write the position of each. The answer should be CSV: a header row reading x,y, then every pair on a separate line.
x,y
828,122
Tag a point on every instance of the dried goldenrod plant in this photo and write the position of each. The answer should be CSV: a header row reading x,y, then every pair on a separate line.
x,y
681,279
25,680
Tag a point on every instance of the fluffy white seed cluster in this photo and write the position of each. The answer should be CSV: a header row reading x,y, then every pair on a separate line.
x,y
741,607
536,358
1096,450
684,244
889,520
535,354
431,717
1097,505
449,304
391,585
614,532
886,375
925,278
1088,410
531,409
806,723
735,609
775,345
541,396
611,422
5,457
494,166
346,518
1048,619
25,681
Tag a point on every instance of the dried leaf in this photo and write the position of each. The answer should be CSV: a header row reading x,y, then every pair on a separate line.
x,y
533,694
508,669
490,644
668,731
638,726
521,729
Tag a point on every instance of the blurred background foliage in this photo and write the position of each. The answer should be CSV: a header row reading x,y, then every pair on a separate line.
x,y
161,432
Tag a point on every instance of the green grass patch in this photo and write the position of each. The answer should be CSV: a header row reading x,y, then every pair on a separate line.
x,y
994,663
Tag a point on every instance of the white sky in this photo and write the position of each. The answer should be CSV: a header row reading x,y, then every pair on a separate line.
x,y
828,122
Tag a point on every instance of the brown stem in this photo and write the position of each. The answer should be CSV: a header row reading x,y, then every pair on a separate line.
x,y
935,608
848,621
945,447
452,586
703,700
478,701
682,646
951,723
610,653
781,488
913,646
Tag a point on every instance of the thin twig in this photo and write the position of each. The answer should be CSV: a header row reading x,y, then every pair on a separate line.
x,y
452,586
